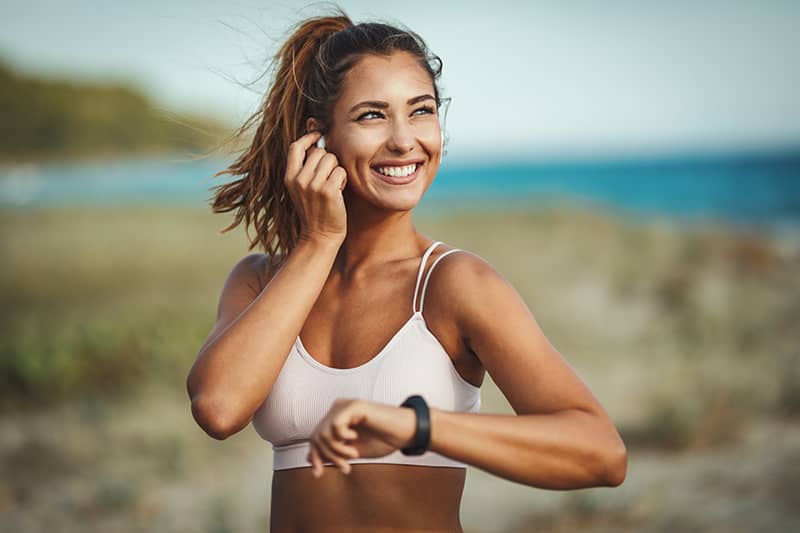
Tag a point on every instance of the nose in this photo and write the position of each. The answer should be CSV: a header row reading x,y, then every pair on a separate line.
x,y
401,137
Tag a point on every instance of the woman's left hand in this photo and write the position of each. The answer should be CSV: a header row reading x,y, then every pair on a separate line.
x,y
359,428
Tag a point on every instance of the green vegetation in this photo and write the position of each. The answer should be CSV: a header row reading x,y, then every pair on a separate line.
x,y
51,119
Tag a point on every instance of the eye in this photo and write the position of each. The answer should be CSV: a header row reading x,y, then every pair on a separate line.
x,y
364,115
427,109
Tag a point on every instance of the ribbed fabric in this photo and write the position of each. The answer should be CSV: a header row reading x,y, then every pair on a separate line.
x,y
412,362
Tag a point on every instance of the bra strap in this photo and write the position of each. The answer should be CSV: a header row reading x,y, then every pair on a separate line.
x,y
419,274
428,276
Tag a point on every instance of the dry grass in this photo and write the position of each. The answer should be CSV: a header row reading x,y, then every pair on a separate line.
x,y
688,337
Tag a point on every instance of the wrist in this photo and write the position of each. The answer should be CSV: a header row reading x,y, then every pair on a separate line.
x,y
320,243
438,421
420,442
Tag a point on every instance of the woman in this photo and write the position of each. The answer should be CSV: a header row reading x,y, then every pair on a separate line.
x,y
314,344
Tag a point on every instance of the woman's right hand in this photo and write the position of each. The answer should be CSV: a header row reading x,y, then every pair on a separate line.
x,y
315,182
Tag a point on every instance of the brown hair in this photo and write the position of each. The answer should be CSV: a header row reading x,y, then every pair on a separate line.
x,y
308,73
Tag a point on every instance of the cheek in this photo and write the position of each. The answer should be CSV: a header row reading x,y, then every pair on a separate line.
x,y
356,147
430,136
432,143
361,140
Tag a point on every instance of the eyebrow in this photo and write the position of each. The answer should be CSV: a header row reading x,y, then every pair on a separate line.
x,y
384,105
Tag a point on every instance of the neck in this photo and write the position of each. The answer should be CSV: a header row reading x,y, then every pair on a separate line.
x,y
375,237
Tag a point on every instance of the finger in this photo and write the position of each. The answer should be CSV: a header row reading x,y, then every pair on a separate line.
x,y
333,456
343,449
337,179
307,173
316,462
330,454
342,431
297,152
325,166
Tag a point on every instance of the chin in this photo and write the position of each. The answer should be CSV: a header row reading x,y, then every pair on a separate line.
x,y
403,198
401,192
404,206
394,194
396,201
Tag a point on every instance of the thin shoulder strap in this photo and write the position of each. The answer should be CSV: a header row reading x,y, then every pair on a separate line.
x,y
419,274
428,276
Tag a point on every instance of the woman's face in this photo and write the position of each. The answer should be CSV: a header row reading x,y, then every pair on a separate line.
x,y
386,122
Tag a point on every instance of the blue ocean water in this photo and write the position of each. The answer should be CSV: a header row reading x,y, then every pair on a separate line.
x,y
751,190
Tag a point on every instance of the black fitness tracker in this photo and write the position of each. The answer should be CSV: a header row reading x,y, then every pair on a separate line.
x,y
422,436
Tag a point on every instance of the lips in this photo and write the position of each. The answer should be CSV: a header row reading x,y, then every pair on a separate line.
x,y
398,180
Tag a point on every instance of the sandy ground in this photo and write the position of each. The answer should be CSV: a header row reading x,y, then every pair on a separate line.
x,y
143,465
689,339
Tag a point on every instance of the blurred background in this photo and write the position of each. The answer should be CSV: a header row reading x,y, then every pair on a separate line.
x,y
632,168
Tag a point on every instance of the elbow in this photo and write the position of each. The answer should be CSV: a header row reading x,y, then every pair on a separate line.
x,y
213,419
614,466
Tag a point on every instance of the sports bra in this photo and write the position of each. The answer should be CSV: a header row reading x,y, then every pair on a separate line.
x,y
412,362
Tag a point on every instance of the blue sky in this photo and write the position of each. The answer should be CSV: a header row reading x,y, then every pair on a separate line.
x,y
528,79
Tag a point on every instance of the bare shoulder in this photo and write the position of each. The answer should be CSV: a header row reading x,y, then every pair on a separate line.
x,y
254,271
465,271
242,286
474,292
244,283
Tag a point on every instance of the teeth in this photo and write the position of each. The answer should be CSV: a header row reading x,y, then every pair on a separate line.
x,y
398,171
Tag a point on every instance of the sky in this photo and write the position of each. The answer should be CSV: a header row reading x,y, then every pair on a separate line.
x,y
528,80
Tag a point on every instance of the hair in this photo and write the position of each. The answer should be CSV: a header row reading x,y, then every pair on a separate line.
x,y
308,72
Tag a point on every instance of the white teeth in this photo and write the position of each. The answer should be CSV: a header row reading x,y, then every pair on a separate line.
x,y
398,171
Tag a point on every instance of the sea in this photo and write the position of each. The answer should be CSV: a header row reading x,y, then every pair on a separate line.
x,y
756,191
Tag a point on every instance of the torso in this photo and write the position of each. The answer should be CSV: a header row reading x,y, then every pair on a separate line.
x,y
372,498
375,497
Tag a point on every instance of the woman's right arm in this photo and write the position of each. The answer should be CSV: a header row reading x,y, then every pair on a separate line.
x,y
242,356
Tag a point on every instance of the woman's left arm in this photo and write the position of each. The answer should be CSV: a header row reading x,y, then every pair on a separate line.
x,y
560,438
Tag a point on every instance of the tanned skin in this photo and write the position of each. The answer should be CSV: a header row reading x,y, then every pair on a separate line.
x,y
358,257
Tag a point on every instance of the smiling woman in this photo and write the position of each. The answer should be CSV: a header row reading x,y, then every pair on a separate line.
x,y
408,126
321,342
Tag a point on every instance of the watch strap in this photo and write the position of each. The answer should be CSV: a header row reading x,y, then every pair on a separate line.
x,y
422,435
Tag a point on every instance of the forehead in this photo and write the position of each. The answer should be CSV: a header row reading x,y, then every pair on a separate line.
x,y
394,78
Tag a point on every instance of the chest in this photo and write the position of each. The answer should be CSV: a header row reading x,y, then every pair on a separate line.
x,y
351,320
365,340
412,362
349,326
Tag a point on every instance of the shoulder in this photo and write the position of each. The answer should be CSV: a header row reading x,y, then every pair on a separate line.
x,y
469,263
254,271
493,320
463,269
471,286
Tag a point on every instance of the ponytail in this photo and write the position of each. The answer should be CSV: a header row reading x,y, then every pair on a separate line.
x,y
309,71
259,196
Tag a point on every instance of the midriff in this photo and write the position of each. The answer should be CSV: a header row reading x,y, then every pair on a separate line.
x,y
378,498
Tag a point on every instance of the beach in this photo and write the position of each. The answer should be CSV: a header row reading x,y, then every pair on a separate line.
x,y
686,335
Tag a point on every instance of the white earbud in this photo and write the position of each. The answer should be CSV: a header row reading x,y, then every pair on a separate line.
x,y
321,142
442,131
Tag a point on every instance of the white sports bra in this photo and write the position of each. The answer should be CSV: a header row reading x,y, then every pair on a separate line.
x,y
412,362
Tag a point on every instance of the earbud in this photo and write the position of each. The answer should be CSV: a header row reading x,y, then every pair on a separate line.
x,y
442,132
321,142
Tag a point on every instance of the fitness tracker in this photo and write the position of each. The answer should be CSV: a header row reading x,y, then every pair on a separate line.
x,y
422,436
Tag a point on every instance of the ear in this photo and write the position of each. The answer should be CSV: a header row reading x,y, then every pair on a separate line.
x,y
312,124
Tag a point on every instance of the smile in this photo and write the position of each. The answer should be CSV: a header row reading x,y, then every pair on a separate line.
x,y
398,175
